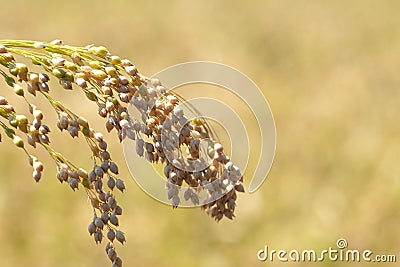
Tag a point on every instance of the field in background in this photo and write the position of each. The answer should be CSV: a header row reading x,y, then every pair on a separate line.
x,y
329,70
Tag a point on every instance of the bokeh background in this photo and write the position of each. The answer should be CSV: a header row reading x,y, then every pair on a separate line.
x,y
330,71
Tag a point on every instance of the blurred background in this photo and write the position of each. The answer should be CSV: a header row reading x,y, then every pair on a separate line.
x,y
329,70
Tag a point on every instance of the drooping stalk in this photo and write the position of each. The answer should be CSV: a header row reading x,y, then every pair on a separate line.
x,y
113,84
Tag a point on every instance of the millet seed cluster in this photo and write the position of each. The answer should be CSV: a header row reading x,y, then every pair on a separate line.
x,y
160,134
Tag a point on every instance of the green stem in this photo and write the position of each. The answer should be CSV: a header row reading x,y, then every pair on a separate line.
x,y
52,48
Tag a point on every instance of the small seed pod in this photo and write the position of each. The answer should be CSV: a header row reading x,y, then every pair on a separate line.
x,y
58,61
103,145
98,74
98,236
114,219
231,204
56,42
91,228
131,70
219,216
121,135
3,101
73,131
31,141
105,155
120,185
105,217
220,205
73,174
151,123
175,201
44,87
38,166
8,57
124,124
109,195
178,112
99,171
73,183
130,134
228,214
136,126
36,175
59,177
111,71
33,77
111,202
172,99
188,193
113,168
146,130
214,211
98,136
44,139
155,82
22,70
239,188
99,223
92,176
171,192
104,207
73,123
81,82
103,196
139,147
117,262
18,90
118,210
66,84
111,183
149,147
123,80
104,165
110,106
44,129
62,124
71,66
98,185
111,235
109,246
120,236
18,141
63,174
38,114
112,255
126,62
195,199
3,49
23,128
31,88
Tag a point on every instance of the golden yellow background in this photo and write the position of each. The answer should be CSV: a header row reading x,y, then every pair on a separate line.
x,y
330,71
